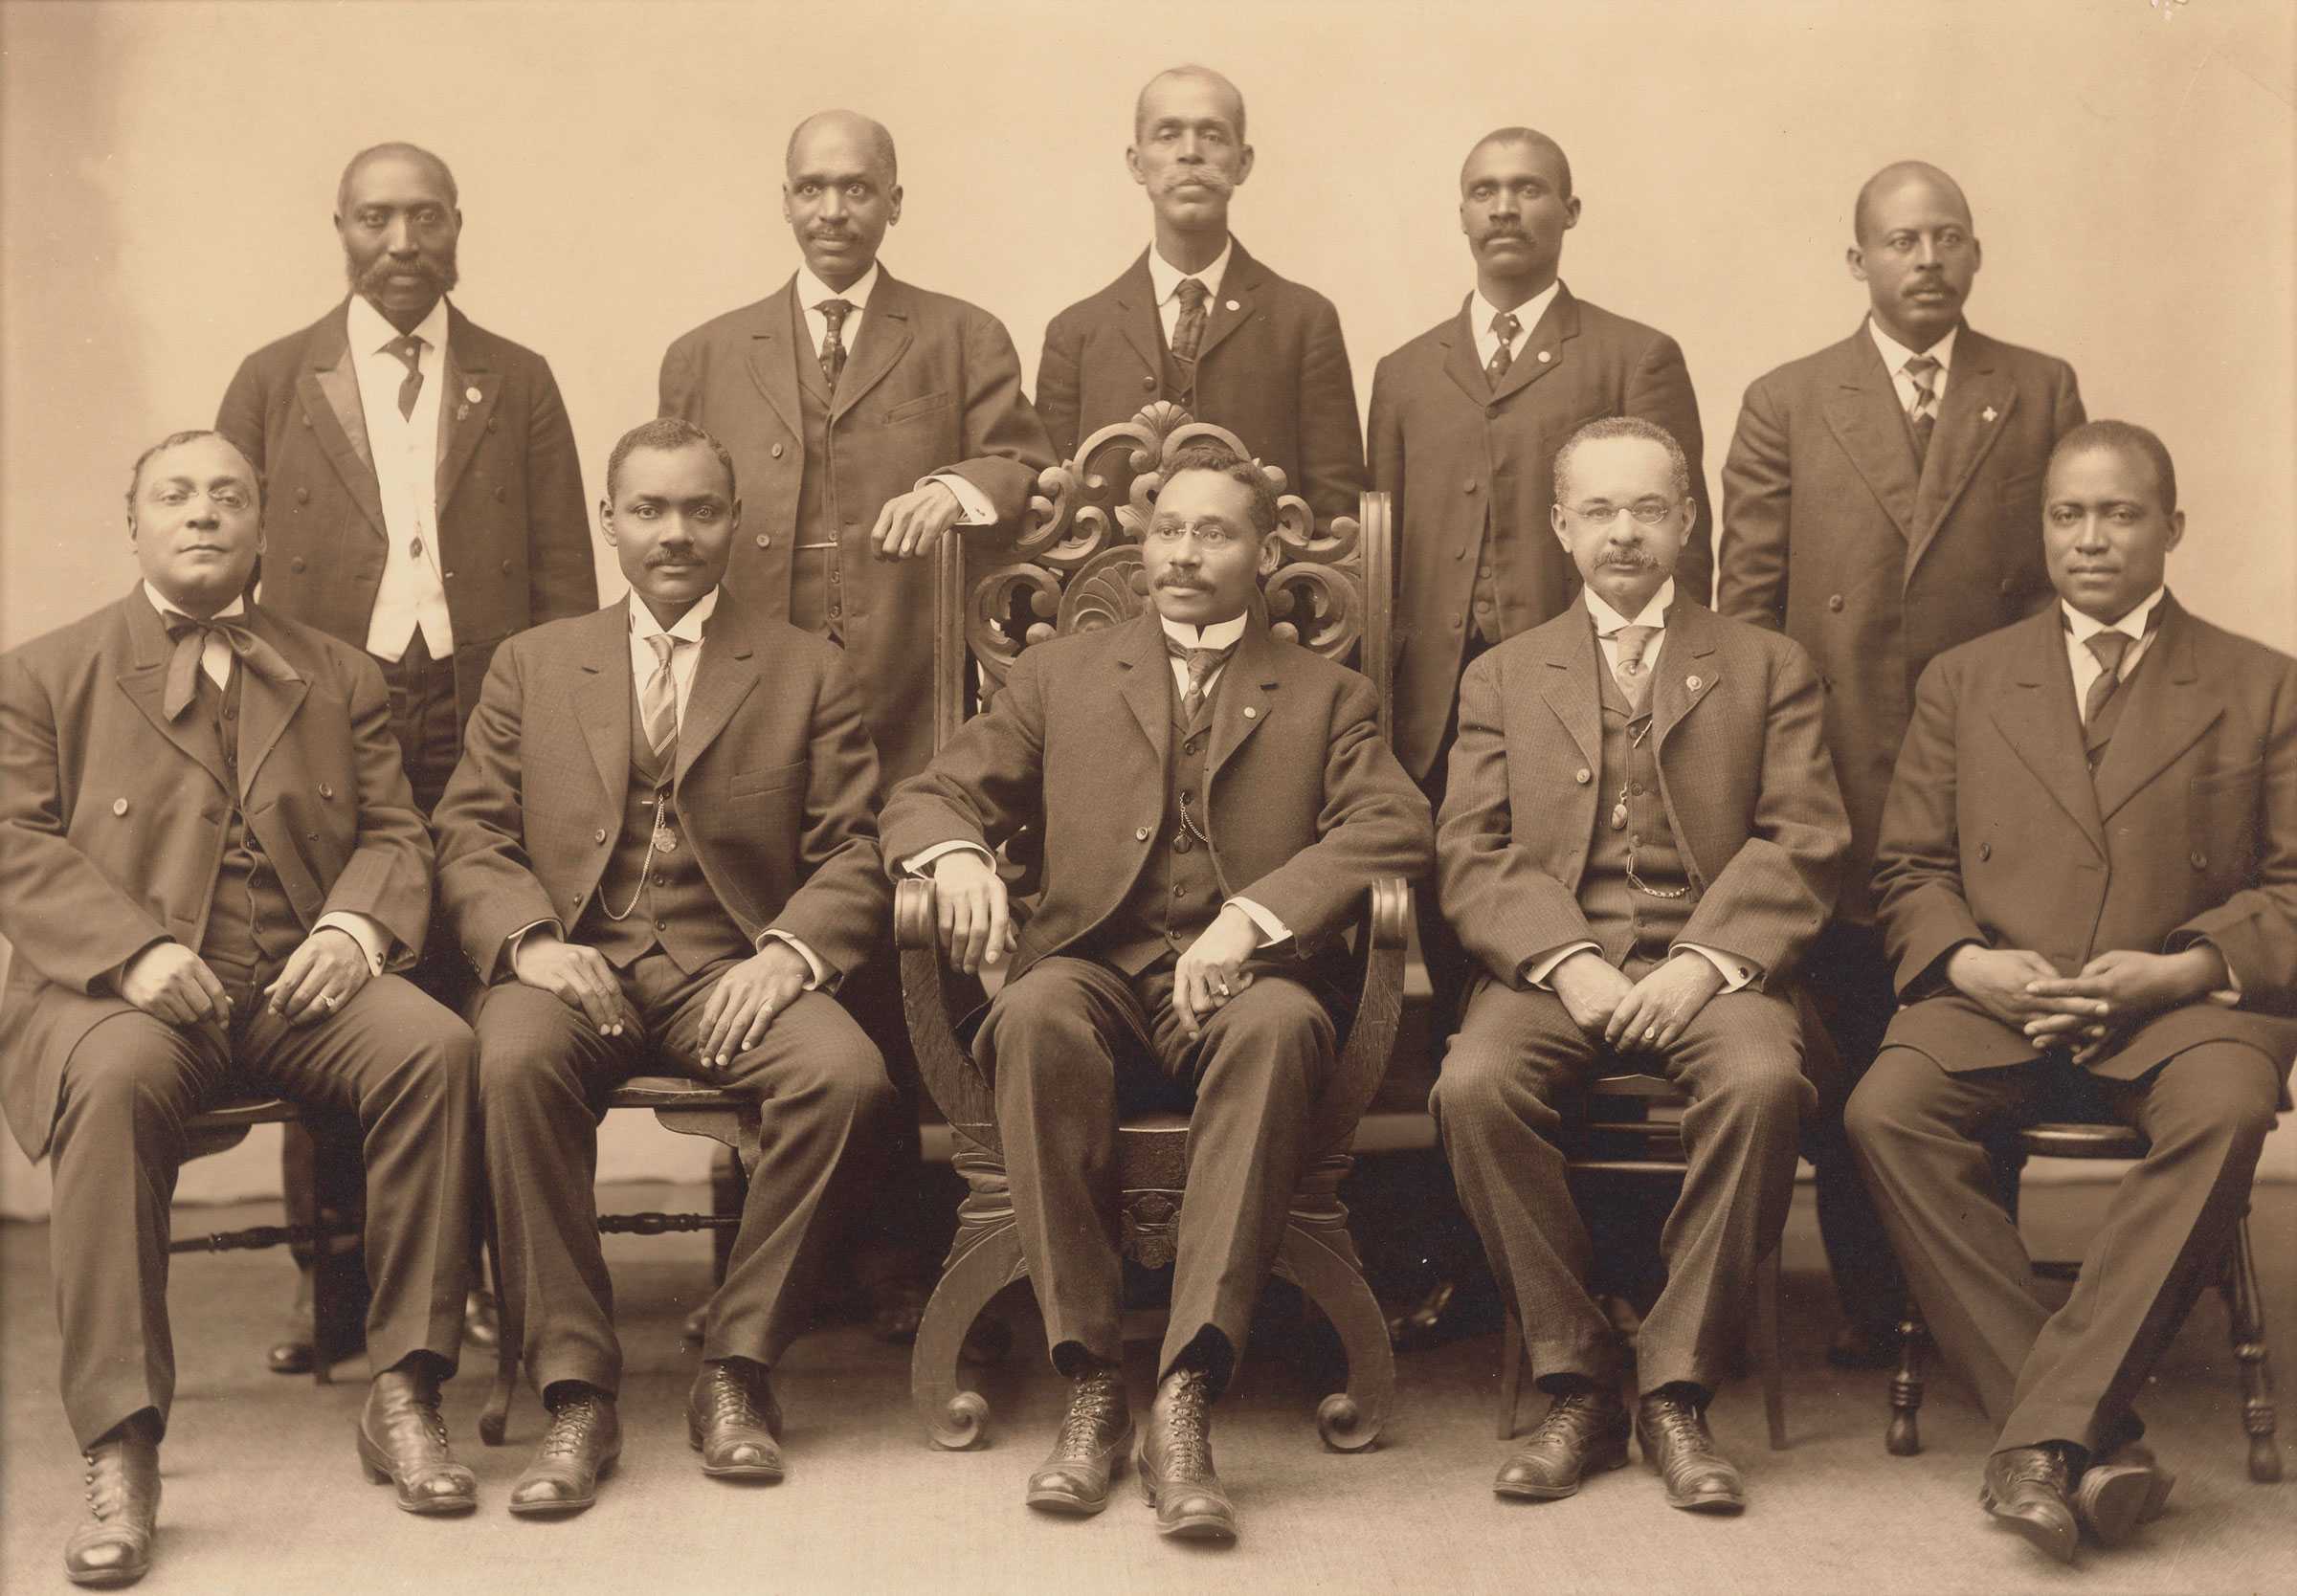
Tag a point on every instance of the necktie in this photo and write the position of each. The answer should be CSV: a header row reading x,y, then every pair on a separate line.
x,y
191,634
1202,663
1629,673
409,351
2109,647
832,346
658,705
1923,414
1504,327
1188,331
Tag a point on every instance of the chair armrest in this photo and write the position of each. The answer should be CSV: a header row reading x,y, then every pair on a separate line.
x,y
1379,1007
957,1086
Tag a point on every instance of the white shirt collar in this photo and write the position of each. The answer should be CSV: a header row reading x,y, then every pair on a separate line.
x,y
1218,635
1165,277
369,332
1527,313
1895,354
2085,627
1655,612
811,290
168,607
689,630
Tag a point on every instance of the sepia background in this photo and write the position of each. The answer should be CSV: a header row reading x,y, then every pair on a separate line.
x,y
167,172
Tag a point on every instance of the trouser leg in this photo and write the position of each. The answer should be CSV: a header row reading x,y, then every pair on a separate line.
x,y
1849,978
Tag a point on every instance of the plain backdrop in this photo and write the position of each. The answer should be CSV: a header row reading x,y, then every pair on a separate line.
x,y
168,173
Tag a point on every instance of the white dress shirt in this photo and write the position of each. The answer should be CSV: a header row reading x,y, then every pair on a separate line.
x,y
1895,355
1736,972
412,594
1481,312
2080,629
1165,278
216,660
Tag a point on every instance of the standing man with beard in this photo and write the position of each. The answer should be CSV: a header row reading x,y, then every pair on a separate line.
x,y
423,502
1879,506
1197,321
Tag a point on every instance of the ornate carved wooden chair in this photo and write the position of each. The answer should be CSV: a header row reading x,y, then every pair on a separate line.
x,y
1077,568
2236,1284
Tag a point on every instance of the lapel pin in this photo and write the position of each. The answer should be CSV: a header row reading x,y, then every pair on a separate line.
x,y
1988,414
1545,357
1233,305
1691,683
1250,712
462,413
472,394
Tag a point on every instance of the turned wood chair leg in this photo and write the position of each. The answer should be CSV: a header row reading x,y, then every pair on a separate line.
x,y
1768,1353
987,1264
2246,1323
1903,1437
1349,1420
494,1419
1511,1375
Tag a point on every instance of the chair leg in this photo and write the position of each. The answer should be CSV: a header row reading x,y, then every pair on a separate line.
x,y
729,1191
494,1419
2245,1319
323,1313
1511,1375
1768,1353
1903,1437
981,1265
1324,1266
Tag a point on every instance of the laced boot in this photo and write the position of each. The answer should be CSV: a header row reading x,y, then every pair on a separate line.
x,y
1175,1461
2031,1489
733,1421
112,1547
1584,1432
1670,1424
581,1448
1094,1435
402,1439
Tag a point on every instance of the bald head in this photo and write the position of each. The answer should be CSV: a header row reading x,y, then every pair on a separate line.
x,y
398,151
848,128
1522,138
1899,177
1193,74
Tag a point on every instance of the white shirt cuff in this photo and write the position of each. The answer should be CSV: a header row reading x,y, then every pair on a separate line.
x,y
364,929
1272,930
1536,975
820,972
920,863
511,943
1735,972
974,508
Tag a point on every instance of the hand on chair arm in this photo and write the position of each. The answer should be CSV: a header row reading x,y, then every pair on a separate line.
x,y
969,901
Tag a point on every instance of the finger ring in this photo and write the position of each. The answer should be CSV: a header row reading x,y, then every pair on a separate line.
x,y
332,1001
1648,1035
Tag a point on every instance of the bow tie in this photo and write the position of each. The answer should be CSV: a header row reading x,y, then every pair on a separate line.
x,y
190,634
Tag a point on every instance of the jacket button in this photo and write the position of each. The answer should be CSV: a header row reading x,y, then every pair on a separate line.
x,y
1834,601
501,493
118,806
1460,551
1148,384
1468,486
1583,775
303,496
492,424
1457,623
2009,586
325,791
764,540
2197,859
777,450
598,835
1491,412
505,567
296,563
1139,834
1985,850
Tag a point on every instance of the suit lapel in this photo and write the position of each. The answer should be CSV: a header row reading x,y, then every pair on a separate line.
x,y
1687,669
2169,709
265,708
775,339
329,389
467,403
1135,297
1978,405
722,677
2033,704
1459,362
1146,687
1863,413
1551,336
1240,700
1569,687
1240,286
886,333
602,697
143,677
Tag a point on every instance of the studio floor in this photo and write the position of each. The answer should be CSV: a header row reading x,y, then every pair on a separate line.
x,y
263,1494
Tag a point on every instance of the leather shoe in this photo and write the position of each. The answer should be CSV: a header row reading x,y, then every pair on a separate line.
x,y
733,1421
1584,1432
581,1448
1176,1462
1094,1435
1671,1428
112,1546
2030,1489
2120,1490
402,1439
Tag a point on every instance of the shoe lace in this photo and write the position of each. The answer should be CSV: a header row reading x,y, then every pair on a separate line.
x,y
571,1421
1188,1436
1678,1424
730,1400
1093,1403
2048,1464
1568,1418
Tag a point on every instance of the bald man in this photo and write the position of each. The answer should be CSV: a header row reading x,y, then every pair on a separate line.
x,y
1197,321
1880,505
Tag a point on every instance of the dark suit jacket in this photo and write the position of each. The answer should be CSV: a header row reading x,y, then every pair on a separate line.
x,y
1747,786
514,535
774,784
934,385
1273,370
1439,435
1306,805
1828,534
1997,833
112,828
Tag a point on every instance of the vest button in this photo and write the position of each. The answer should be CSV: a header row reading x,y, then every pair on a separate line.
x,y
296,563
1460,551
1582,776
1834,601
1148,384
2009,586
1139,834
2197,859
303,496
1456,621
120,806
661,926
501,493
764,540
505,567
1180,891
1985,850
325,791
1468,486
598,835
777,450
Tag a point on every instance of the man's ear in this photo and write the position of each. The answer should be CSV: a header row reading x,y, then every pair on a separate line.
x,y
1272,554
605,520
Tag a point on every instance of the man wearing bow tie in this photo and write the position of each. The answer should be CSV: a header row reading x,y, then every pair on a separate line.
x,y
208,857
1640,836
1878,506
424,502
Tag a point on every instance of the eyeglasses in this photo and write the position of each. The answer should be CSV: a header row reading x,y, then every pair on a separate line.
x,y
1650,511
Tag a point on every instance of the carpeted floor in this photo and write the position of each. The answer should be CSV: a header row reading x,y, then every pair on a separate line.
x,y
263,1494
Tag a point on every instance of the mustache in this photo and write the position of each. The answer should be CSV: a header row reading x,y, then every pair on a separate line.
x,y
1199,177
439,275
1627,560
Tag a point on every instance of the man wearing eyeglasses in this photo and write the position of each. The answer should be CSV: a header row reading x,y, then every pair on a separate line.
x,y
1639,835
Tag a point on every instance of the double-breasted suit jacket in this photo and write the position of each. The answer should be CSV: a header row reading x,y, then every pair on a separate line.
x,y
113,821
933,385
514,534
1997,833
1272,368
1831,533
773,785
1472,470
1744,779
1305,806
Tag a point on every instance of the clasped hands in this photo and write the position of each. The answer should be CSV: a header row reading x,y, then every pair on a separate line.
x,y
1648,1015
735,1017
2089,1010
169,982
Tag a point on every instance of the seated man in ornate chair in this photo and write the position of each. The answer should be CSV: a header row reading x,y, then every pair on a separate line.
x,y
1214,804
2089,882
1638,841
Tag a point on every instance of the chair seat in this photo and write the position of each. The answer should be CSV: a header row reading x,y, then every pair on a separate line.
x,y
242,1113
2068,1139
672,1091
